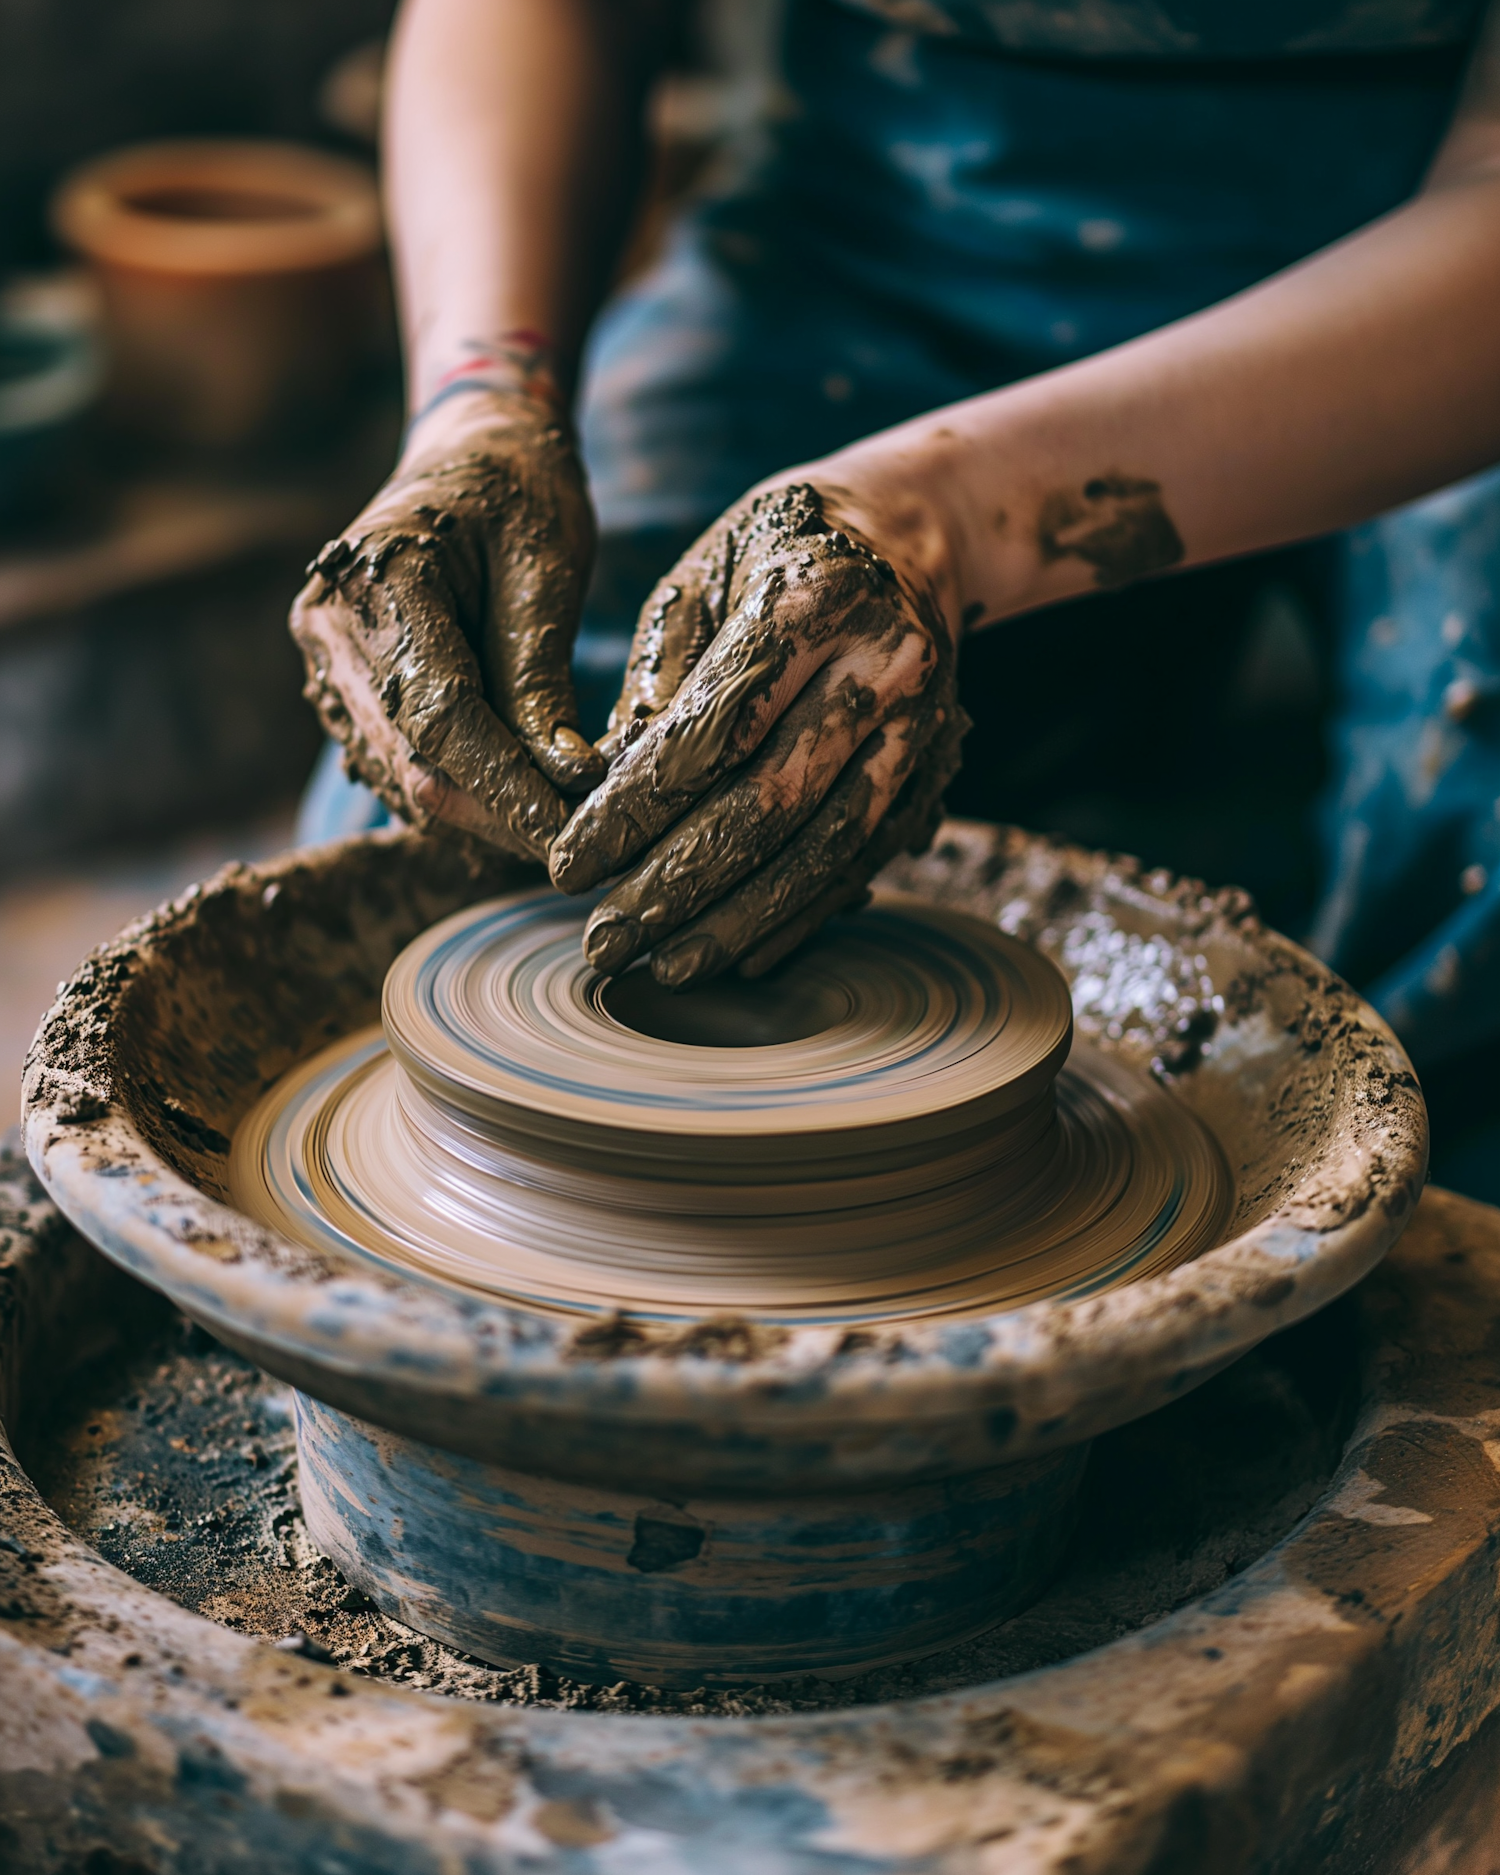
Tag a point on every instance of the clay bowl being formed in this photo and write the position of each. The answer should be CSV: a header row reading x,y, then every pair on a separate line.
x,y
725,1498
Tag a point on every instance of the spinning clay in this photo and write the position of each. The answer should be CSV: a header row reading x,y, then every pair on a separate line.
x,y
893,1125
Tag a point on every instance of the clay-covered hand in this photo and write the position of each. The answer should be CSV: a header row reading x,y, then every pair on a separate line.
x,y
438,629
788,724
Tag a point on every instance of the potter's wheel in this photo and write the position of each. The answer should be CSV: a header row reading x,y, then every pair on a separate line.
x,y
689,1497
885,1129
1323,1711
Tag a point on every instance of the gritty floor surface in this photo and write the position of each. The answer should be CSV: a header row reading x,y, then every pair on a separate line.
x,y
50,921
178,1464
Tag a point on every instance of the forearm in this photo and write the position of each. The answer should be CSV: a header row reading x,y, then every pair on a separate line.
x,y
514,144
1364,377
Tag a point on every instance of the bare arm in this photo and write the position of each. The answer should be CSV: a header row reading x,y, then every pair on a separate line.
x,y
514,149
437,629
778,744
1363,377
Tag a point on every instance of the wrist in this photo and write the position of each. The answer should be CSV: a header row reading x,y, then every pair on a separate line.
x,y
517,362
471,417
896,490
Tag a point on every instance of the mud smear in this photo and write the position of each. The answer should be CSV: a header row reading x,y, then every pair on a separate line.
x,y
437,630
1117,524
773,588
179,1466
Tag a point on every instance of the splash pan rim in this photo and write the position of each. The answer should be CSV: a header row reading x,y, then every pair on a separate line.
x,y
124,1132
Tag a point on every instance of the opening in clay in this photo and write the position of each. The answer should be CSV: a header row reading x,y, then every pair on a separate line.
x,y
187,202
728,1012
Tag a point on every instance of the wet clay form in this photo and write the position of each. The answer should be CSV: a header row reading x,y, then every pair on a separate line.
x,y
874,1133
679,1446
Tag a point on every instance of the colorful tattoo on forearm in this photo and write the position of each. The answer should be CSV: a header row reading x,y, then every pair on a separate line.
x,y
516,361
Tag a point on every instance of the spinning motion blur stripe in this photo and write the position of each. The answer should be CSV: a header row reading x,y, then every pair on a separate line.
x,y
892,1126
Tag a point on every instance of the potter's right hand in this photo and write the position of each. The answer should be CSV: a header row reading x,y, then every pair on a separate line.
x,y
437,630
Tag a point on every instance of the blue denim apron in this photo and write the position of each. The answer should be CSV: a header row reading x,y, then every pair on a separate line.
x,y
958,193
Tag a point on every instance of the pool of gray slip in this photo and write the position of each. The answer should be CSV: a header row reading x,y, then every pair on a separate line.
x,y
687,1493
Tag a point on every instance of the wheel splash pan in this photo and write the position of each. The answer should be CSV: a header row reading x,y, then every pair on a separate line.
x,y
164,1038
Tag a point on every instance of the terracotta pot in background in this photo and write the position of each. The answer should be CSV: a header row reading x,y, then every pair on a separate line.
x,y
243,284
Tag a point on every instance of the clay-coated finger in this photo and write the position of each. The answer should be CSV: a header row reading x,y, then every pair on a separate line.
x,y
797,615
797,874
913,819
485,764
342,688
711,726
427,679
537,579
750,816
677,625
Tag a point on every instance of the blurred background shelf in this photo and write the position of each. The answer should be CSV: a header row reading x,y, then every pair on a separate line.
x,y
147,682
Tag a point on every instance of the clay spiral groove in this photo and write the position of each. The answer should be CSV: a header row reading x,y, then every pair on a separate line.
x,y
886,1129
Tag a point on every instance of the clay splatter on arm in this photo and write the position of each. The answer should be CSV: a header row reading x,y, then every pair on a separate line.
x,y
1116,523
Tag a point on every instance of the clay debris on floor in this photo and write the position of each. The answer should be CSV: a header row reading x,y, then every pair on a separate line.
x,y
178,1464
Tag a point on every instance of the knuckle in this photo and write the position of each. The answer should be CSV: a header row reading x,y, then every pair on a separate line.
x,y
425,703
331,559
308,596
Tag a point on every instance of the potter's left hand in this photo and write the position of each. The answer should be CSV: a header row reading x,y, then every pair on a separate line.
x,y
788,724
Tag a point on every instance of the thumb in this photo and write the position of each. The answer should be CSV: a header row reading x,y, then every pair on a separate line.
x,y
536,599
